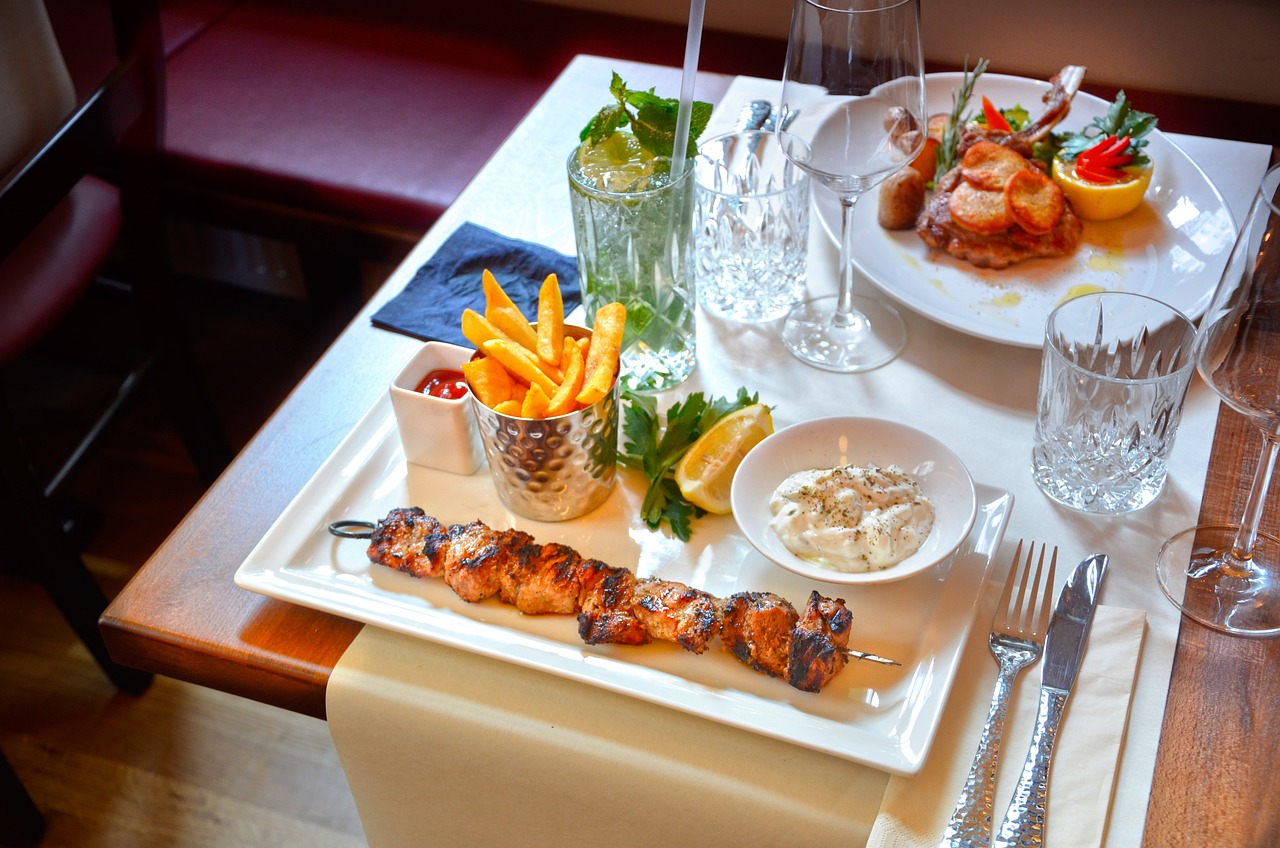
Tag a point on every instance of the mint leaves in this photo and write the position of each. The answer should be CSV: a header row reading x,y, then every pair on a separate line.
x,y
651,118
655,451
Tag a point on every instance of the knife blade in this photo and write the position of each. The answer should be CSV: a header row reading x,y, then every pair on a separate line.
x,y
1024,820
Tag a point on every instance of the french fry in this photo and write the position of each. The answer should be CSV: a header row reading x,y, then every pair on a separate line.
x,y
520,362
512,322
550,321
543,372
478,329
505,315
565,400
602,360
489,380
535,403
509,407
567,351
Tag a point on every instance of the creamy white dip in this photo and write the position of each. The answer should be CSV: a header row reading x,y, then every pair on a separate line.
x,y
851,518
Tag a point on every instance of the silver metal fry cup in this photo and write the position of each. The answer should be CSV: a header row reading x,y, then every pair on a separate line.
x,y
557,468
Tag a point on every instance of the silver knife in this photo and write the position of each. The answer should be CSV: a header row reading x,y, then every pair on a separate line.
x,y
1024,821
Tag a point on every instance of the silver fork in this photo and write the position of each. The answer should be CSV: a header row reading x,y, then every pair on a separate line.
x,y
1016,640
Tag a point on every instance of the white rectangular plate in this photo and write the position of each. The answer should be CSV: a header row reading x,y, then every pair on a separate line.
x,y
882,716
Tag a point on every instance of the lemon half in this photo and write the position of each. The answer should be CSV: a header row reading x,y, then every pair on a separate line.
x,y
705,472
1095,202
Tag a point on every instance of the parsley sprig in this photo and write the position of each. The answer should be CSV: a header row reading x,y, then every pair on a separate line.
x,y
652,119
655,450
1121,121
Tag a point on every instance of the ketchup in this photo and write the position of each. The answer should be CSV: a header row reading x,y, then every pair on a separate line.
x,y
444,383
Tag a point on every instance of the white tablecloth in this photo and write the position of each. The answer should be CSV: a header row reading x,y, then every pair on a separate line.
x,y
978,397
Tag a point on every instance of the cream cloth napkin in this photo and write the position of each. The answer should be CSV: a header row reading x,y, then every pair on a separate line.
x,y
445,748
1082,779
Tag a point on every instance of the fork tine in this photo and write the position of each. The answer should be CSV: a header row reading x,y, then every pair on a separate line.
x,y
1002,606
1018,615
1041,624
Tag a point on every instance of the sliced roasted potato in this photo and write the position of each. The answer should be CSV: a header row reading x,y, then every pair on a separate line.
x,y
989,165
1034,201
977,210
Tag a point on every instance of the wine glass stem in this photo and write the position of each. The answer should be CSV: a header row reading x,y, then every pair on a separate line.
x,y
1248,535
846,316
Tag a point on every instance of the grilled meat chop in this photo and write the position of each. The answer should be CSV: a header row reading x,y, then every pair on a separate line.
x,y
938,229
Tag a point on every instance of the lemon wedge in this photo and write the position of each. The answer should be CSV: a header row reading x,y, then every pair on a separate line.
x,y
1095,202
618,163
706,470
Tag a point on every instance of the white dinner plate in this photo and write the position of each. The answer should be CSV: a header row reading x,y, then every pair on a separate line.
x,y
883,716
830,442
1173,247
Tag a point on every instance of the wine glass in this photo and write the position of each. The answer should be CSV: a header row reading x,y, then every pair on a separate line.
x,y
1228,576
852,114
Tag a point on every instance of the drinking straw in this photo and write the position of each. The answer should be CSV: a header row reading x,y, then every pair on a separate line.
x,y
692,43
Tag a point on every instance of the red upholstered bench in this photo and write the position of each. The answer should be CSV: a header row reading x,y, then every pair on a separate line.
x,y
350,125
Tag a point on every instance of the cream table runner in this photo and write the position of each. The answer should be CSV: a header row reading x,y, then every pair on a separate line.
x,y
445,748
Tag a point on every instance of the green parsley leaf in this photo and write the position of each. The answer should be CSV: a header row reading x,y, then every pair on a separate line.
x,y
1120,120
655,451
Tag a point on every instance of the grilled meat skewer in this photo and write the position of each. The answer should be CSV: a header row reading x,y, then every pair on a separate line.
x,y
760,629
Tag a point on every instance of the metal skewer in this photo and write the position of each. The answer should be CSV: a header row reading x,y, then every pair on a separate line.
x,y
351,528
862,655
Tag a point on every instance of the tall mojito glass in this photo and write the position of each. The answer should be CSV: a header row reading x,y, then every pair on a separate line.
x,y
633,224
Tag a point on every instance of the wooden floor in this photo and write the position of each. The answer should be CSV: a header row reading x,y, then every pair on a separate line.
x,y
180,765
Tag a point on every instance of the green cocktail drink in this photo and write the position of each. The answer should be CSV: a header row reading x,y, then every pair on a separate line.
x,y
633,225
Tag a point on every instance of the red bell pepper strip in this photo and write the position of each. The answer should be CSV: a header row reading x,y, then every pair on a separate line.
x,y
1102,162
995,120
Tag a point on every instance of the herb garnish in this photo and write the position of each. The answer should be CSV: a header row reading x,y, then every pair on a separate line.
x,y
948,148
655,451
652,119
1121,121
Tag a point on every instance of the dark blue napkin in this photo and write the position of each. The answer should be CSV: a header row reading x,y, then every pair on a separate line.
x,y
431,305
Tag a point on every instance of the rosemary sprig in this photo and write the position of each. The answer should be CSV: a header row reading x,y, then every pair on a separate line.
x,y
946,155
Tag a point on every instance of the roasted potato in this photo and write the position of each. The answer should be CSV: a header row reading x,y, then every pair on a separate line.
x,y
901,199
